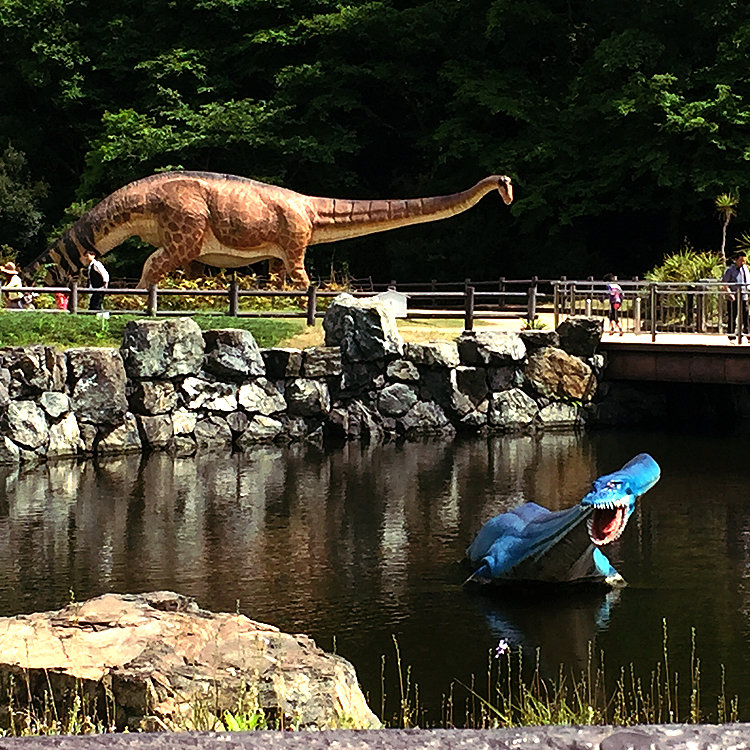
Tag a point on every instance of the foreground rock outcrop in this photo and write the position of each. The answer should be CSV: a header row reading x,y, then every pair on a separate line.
x,y
152,660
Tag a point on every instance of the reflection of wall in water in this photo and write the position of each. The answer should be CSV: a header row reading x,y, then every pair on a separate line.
x,y
301,523
552,469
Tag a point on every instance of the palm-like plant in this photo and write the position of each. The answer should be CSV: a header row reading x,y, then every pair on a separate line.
x,y
726,206
687,265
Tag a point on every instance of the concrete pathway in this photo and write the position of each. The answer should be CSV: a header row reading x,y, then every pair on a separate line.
x,y
657,737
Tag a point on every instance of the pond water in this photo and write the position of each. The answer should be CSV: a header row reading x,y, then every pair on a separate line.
x,y
356,545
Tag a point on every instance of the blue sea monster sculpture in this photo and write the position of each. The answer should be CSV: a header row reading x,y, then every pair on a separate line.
x,y
532,544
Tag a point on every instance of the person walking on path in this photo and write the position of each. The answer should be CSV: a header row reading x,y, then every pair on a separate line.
x,y
735,274
615,294
97,277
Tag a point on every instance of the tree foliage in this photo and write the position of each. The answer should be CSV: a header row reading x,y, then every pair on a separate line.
x,y
20,214
619,123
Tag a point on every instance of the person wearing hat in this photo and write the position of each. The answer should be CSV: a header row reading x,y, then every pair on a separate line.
x,y
12,281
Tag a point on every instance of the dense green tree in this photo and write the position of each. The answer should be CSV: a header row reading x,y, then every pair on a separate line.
x,y
20,214
619,123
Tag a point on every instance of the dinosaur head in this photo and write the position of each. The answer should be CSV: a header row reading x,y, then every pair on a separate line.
x,y
505,188
613,497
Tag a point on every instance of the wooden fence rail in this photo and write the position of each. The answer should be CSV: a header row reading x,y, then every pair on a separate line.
x,y
697,307
464,300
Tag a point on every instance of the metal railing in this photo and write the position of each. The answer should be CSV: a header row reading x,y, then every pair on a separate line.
x,y
657,307
518,298
647,307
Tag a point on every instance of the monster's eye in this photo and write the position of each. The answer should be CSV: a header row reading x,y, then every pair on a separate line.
x,y
614,484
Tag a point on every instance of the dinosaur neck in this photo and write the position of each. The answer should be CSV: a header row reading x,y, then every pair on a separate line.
x,y
336,219
563,554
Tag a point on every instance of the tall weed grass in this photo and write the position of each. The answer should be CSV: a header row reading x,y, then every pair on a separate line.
x,y
511,694
515,694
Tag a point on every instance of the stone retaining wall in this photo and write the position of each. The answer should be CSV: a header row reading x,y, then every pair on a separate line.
x,y
171,387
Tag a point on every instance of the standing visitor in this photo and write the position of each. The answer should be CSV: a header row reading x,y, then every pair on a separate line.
x,y
737,273
615,294
97,277
12,281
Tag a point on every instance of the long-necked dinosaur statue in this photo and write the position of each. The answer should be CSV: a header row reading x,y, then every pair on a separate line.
x,y
228,221
531,544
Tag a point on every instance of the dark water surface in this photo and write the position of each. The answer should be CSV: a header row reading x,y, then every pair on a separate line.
x,y
354,545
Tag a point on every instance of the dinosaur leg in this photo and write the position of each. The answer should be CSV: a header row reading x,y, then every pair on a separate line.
x,y
163,261
156,267
295,266
184,236
276,268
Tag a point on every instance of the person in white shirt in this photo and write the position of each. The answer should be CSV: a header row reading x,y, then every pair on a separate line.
x,y
735,274
97,277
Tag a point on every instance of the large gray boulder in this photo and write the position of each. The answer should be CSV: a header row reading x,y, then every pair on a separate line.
x,y
282,362
26,424
580,335
97,385
55,404
396,399
261,396
233,353
452,389
426,418
534,339
260,429
402,370
321,362
154,397
308,398
162,348
357,421
65,438
364,328
555,374
213,433
157,660
30,370
511,410
362,379
198,393
122,439
156,432
433,354
492,348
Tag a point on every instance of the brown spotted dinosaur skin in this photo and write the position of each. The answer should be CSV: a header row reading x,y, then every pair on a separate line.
x,y
230,222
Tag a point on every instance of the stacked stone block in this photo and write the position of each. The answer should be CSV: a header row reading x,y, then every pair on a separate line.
x,y
172,387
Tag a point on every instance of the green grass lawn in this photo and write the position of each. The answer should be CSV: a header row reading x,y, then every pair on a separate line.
x,y
65,331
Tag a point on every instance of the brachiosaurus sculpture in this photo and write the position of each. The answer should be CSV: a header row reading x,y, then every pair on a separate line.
x,y
228,221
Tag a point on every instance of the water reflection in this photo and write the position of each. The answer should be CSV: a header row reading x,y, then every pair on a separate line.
x,y
527,622
360,543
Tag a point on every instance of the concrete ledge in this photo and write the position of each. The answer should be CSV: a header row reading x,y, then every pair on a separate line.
x,y
723,737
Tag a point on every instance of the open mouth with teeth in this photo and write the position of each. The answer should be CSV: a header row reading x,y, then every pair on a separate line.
x,y
607,524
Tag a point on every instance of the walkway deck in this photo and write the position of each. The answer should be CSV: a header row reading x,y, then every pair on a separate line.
x,y
672,357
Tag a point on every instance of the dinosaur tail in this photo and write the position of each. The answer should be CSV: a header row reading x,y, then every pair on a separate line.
x,y
62,259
